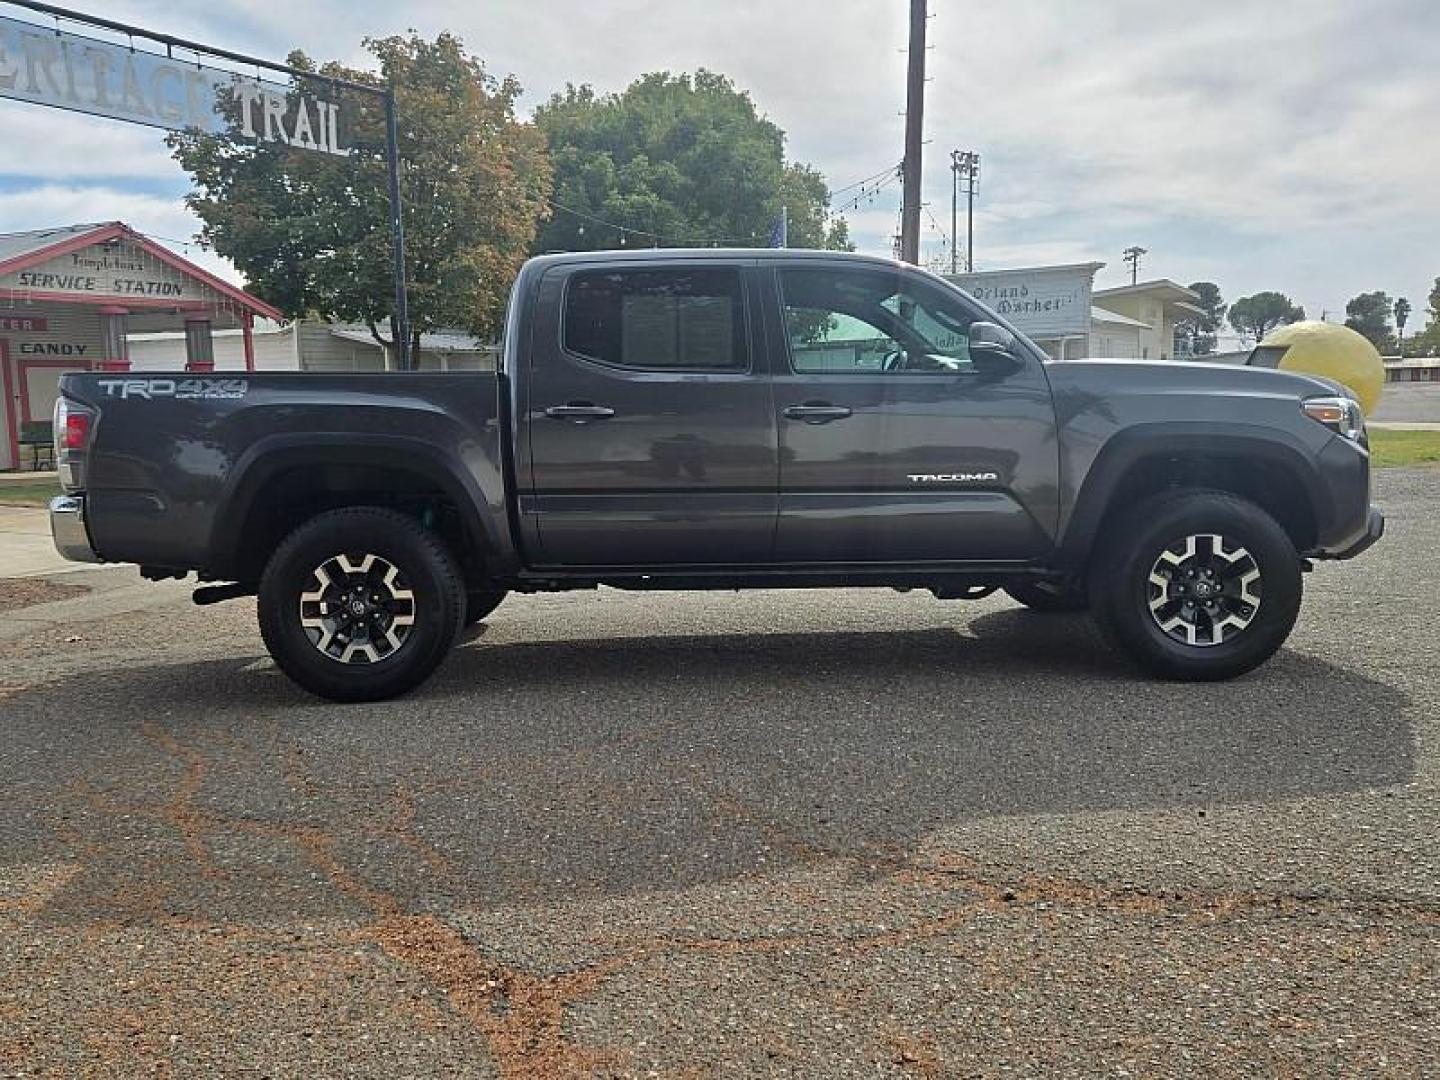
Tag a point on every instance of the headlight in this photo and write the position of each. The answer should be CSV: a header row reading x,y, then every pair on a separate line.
x,y
1340,414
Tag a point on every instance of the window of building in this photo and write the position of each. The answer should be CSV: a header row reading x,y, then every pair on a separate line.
x,y
864,321
671,319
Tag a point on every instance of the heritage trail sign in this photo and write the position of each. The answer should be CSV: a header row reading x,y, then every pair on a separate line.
x,y
69,71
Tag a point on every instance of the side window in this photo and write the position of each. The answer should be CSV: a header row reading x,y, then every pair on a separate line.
x,y
671,319
872,321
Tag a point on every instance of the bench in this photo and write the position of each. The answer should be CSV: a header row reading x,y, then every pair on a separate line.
x,y
40,436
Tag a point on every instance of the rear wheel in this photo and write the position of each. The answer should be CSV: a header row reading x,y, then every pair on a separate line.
x,y
360,604
1047,596
1196,585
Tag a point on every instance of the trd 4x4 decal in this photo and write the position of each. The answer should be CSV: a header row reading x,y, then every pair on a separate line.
x,y
179,389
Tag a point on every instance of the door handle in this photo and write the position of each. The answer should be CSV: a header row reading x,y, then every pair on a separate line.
x,y
817,412
580,412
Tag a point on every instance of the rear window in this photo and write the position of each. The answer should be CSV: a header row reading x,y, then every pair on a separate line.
x,y
670,319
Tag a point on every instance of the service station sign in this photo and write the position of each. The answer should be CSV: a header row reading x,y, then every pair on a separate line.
x,y
68,71
103,271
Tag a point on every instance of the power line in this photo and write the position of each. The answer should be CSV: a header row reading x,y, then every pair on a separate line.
x,y
874,176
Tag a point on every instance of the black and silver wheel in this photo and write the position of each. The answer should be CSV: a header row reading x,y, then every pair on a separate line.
x,y
1047,597
1196,585
360,604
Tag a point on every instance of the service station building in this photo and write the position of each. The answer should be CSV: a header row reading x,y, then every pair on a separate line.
x,y
70,298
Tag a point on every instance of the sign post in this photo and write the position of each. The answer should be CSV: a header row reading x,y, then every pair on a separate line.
x,y
103,78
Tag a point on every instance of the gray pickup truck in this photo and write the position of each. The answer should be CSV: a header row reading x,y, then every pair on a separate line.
x,y
722,420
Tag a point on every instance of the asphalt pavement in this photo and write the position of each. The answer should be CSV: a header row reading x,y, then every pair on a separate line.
x,y
817,833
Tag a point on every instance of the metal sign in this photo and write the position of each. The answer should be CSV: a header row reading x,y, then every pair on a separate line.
x,y
1044,302
69,71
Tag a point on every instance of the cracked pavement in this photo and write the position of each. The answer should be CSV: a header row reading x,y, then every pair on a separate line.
x,y
812,833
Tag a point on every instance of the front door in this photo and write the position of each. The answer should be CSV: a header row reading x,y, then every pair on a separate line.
x,y
650,423
895,444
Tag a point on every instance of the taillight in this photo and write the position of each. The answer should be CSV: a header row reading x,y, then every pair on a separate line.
x,y
72,438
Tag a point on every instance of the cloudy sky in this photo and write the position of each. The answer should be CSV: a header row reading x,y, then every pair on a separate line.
x,y
1290,144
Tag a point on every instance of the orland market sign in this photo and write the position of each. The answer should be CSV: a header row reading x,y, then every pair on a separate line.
x,y
54,67
1041,302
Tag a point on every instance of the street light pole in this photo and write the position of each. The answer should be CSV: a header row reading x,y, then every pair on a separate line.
x,y
954,211
964,163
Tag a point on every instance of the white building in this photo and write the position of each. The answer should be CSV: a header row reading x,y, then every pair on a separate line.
x,y
313,345
1058,308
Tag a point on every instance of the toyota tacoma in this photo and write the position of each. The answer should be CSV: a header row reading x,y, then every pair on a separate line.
x,y
721,420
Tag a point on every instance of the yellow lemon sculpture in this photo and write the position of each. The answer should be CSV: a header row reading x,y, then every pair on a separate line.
x,y
1334,351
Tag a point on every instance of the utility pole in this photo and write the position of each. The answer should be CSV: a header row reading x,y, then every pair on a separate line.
x,y
1132,257
914,131
954,211
964,163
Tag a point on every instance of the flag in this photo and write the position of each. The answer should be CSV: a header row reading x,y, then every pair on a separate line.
x,y
780,229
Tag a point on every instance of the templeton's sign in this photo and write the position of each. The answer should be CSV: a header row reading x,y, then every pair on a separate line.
x,y
53,67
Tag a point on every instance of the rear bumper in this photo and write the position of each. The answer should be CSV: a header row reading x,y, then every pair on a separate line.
x,y
67,526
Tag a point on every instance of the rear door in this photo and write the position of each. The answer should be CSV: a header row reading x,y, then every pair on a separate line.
x,y
895,444
650,422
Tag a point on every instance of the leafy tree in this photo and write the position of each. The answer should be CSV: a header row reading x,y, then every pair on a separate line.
x,y
1369,314
1402,316
675,160
1257,315
1202,329
311,231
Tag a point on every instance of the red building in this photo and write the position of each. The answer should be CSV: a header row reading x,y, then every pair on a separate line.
x,y
70,297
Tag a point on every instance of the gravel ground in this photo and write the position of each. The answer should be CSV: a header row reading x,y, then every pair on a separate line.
x,y
838,833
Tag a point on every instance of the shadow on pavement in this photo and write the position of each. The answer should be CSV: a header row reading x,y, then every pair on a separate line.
x,y
527,771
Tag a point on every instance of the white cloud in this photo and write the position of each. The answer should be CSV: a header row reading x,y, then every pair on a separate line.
x,y
1288,144
51,144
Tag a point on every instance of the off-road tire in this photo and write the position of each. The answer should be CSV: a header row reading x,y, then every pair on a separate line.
x,y
1134,544
481,602
431,579
1046,597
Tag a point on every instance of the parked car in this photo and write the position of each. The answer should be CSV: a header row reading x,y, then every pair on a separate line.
x,y
719,420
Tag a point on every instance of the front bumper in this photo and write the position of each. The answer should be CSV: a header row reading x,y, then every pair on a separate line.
x,y
67,526
1374,529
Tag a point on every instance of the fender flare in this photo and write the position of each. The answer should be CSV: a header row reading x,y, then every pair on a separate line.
x,y
1125,450
276,454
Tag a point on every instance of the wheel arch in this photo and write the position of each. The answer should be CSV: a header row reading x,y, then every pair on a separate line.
x,y
1263,466
284,480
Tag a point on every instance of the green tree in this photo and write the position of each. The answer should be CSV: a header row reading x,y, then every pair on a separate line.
x,y
310,232
1257,315
1202,329
1369,314
675,160
1427,342
1402,316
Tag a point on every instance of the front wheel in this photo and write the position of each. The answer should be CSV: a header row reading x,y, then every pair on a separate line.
x,y
1196,585
360,604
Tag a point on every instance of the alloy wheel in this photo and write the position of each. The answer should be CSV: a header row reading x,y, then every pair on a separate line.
x,y
1204,590
359,609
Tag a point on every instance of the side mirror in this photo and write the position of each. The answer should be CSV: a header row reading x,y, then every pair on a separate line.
x,y
991,339
992,349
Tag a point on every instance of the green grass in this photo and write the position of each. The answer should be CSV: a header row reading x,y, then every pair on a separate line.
x,y
33,493
1391,449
